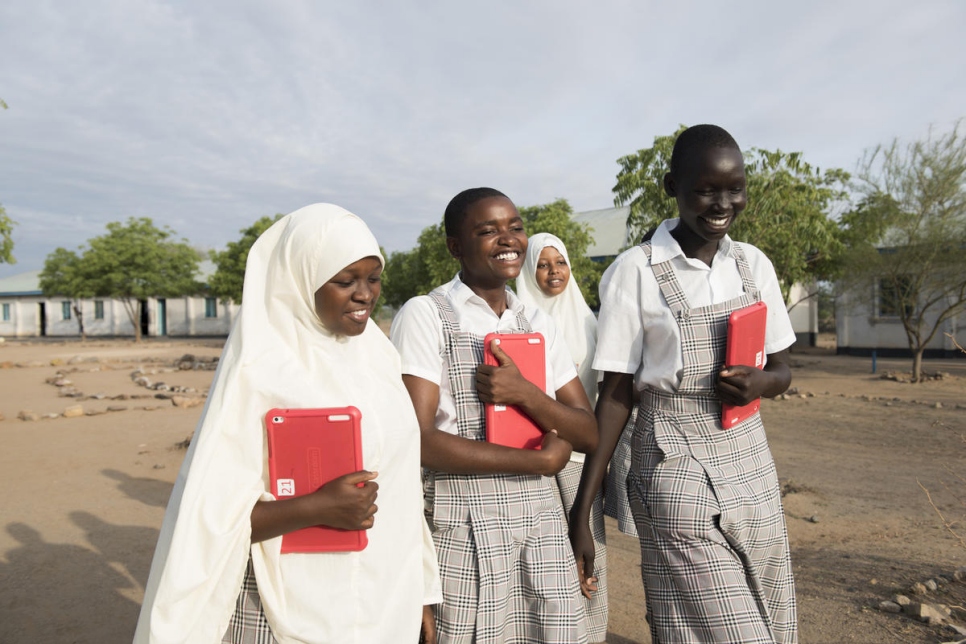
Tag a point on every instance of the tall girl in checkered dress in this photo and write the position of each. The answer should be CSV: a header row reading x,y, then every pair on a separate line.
x,y
705,500
506,566
303,339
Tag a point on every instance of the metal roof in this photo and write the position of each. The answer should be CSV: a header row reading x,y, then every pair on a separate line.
x,y
29,283
608,228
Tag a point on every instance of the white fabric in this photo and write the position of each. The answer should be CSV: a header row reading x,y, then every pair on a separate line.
x,y
280,355
417,332
571,315
636,331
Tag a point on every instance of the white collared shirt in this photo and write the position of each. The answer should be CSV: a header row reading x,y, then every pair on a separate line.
x,y
417,332
636,331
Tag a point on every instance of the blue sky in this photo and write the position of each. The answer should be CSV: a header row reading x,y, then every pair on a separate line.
x,y
206,116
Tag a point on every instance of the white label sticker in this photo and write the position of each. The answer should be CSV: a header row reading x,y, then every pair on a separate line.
x,y
285,487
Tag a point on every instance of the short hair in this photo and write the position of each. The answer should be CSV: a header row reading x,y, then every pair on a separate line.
x,y
458,205
697,139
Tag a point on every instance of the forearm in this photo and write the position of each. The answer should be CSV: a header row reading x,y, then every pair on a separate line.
x,y
614,407
575,425
453,454
779,375
271,519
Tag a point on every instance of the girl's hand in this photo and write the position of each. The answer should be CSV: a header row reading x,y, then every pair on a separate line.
x,y
554,454
740,384
582,542
344,503
503,384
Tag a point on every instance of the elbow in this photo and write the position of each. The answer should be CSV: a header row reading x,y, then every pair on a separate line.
x,y
591,437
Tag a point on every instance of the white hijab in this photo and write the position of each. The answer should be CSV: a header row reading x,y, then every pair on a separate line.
x,y
570,313
277,355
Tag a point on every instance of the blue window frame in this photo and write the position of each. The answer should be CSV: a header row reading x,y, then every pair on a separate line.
x,y
65,310
211,307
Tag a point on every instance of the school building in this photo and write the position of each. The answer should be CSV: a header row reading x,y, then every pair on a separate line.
x,y
26,312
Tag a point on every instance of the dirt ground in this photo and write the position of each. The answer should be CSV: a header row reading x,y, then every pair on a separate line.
x,y
856,453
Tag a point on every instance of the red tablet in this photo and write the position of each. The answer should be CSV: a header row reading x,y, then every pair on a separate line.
x,y
746,346
506,424
307,448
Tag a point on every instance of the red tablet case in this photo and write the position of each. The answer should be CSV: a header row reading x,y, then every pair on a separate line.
x,y
507,424
746,346
307,448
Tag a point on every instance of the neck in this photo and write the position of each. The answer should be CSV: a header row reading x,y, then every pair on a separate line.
x,y
693,246
493,295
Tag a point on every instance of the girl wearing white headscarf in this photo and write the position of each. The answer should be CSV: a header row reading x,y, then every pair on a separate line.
x,y
545,282
302,339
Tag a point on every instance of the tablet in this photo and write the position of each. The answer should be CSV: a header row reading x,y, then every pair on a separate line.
x,y
507,424
746,346
307,448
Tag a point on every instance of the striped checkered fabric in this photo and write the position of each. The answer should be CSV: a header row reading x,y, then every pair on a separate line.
x,y
595,608
506,565
616,503
248,624
714,548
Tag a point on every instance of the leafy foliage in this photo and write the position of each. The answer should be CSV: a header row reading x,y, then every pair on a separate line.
x,y
6,238
229,276
907,236
132,262
788,217
429,264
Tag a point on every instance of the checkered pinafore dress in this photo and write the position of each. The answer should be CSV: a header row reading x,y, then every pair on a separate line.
x,y
706,501
506,564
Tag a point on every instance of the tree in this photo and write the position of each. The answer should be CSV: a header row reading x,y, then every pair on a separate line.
x,y
6,238
132,262
429,264
907,236
63,275
789,214
229,277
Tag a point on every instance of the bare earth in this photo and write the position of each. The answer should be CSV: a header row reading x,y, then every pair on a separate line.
x,y
85,496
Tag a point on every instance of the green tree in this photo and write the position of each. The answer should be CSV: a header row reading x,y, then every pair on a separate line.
x,y
63,275
132,262
907,236
429,264
229,277
789,215
6,238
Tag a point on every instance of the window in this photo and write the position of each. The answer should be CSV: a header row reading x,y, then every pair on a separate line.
x,y
211,307
65,310
98,309
894,296
6,312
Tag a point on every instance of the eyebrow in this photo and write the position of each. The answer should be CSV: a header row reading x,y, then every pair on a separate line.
x,y
493,222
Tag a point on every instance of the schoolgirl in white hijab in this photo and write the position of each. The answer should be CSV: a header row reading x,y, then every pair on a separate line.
x,y
281,353
546,282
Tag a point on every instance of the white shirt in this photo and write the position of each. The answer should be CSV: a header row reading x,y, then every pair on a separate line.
x,y
636,331
417,332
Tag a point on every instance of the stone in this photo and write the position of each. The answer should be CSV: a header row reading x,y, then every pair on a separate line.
x,y
960,574
889,607
28,415
74,411
117,408
925,613
186,402
56,362
917,589
902,600
141,381
931,585
95,412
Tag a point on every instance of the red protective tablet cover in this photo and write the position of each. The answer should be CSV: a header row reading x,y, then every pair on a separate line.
x,y
506,424
746,346
307,448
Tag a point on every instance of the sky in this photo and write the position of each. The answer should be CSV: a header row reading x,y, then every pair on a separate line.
x,y
205,116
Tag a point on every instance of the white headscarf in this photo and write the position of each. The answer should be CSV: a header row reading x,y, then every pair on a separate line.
x,y
280,355
569,311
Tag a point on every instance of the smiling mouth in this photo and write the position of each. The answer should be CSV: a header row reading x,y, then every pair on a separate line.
x,y
359,316
720,223
508,256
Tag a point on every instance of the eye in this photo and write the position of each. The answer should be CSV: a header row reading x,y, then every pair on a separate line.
x,y
737,190
375,279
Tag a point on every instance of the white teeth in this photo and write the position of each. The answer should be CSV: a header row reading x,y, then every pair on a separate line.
x,y
508,255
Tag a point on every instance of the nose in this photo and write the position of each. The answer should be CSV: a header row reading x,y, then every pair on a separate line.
x,y
363,292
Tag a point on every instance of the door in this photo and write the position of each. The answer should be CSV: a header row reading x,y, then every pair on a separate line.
x,y
43,318
162,316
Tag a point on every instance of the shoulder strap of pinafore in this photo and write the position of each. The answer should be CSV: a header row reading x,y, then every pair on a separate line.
x,y
671,289
744,270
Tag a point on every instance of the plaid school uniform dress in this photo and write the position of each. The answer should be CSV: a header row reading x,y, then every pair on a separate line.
x,y
706,501
506,566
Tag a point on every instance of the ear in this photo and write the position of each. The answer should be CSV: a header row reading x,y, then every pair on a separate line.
x,y
454,247
670,188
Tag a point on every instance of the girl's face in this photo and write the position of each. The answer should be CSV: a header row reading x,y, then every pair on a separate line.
x,y
344,303
491,244
552,273
710,192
